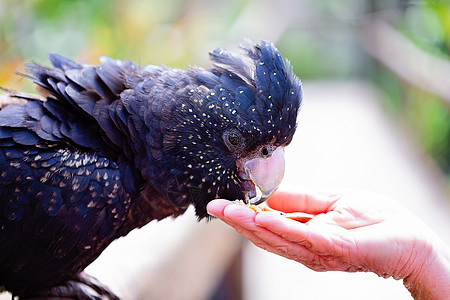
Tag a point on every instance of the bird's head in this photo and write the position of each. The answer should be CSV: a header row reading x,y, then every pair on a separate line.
x,y
228,138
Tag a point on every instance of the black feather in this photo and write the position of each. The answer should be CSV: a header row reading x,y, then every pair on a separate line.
x,y
12,116
63,63
26,138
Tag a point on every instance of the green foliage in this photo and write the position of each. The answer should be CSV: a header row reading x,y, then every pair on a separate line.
x,y
394,96
430,120
427,25
168,32
174,32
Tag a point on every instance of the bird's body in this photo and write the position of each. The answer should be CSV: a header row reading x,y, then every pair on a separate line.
x,y
114,146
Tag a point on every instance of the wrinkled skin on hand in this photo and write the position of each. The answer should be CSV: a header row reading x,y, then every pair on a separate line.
x,y
351,232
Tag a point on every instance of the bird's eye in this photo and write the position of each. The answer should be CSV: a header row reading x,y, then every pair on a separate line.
x,y
234,140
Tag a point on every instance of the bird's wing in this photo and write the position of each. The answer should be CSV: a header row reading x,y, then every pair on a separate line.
x,y
65,185
84,105
59,209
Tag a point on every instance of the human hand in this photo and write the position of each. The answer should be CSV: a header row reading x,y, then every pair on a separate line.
x,y
355,231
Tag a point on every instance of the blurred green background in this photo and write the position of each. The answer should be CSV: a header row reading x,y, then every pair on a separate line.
x,y
324,39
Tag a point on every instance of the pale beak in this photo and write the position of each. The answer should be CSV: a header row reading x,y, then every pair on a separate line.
x,y
266,172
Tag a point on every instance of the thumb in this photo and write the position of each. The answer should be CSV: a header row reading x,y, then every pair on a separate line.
x,y
308,202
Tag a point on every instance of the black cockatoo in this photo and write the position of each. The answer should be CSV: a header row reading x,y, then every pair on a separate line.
x,y
108,148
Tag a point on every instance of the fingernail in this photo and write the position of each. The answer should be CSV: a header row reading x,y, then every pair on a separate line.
x,y
210,212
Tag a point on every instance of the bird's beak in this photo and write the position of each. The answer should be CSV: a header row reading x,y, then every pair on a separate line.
x,y
266,173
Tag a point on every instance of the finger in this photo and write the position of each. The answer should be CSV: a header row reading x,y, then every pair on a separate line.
x,y
251,236
283,227
309,202
316,259
236,216
274,243
239,217
269,227
240,214
242,219
216,207
318,237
